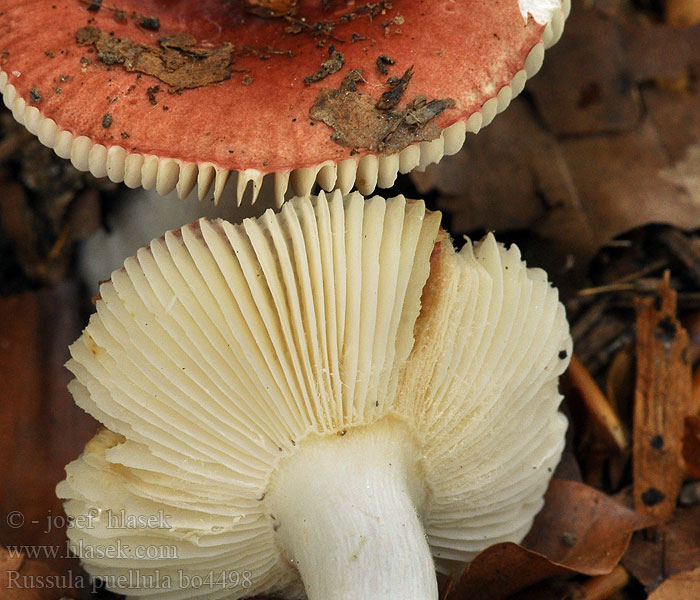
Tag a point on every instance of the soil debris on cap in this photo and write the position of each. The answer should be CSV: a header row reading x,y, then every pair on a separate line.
x,y
151,93
271,8
93,5
382,62
262,52
326,28
332,65
397,20
178,61
420,111
391,98
358,122
150,23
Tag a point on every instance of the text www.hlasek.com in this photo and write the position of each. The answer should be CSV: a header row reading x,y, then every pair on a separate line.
x,y
116,550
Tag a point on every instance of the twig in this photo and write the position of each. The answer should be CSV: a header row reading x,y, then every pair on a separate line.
x,y
605,289
589,319
449,585
684,250
597,404
625,283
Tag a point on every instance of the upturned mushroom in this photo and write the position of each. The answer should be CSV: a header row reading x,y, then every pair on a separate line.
x,y
178,95
330,401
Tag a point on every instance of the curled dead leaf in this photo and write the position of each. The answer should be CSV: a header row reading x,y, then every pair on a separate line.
x,y
672,549
579,530
684,586
503,569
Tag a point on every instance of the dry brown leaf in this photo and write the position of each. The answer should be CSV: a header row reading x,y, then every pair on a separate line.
x,y
503,569
506,177
601,528
685,174
684,586
657,51
618,183
597,98
670,549
580,530
676,118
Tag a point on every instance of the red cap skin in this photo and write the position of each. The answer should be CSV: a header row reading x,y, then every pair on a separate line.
x,y
466,51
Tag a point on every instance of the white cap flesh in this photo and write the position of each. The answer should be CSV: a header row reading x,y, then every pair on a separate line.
x,y
540,10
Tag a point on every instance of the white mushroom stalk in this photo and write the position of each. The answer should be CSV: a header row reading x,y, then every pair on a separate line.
x,y
329,402
348,511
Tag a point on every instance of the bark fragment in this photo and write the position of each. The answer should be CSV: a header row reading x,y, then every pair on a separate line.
x,y
332,65
662,400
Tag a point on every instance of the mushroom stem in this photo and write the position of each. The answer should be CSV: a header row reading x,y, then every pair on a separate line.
x,y
347,509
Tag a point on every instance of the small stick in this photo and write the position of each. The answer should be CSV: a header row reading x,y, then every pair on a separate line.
x,y
589,319
684,250
627,282
448,587
605,586
597,404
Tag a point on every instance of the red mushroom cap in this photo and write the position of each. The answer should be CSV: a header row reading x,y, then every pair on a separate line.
x,y
141,129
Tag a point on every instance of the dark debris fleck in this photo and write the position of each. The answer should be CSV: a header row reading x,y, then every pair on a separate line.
x,y
383,61
330,66
652,497
150,23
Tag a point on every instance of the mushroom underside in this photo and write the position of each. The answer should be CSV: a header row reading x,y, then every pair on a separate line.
x,y
234,365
